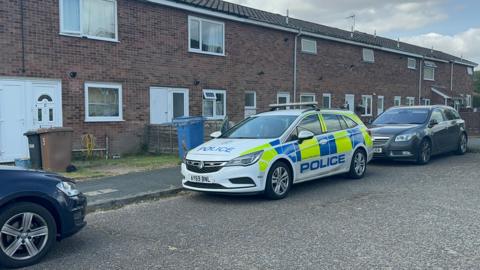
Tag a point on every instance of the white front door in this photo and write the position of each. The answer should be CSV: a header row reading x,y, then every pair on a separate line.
x,y
167,104
350,102
21,111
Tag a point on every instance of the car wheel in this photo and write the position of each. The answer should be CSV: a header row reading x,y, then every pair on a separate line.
x,y
424,152
358,166
462,144
279,181
28,232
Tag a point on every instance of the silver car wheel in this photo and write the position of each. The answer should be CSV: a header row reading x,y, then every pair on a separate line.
x,y
463,143
24,236
280,181
359,163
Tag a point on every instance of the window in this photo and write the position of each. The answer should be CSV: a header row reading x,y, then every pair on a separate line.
x,y
350,122
451,114
397,101
368,55
429,71
261,127
309,46
410,101
469,70
89,18
307,98
426,101
468,101
283,98
331,122
103,102
250,103
206,36
310,123
327,101
367,105
214,104
437,115
412,63
380,105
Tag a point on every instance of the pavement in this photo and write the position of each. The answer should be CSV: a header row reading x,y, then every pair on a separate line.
x,y
118,191
400,216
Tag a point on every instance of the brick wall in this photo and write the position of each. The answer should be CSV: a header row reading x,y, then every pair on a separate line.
x,y
153,51
472,120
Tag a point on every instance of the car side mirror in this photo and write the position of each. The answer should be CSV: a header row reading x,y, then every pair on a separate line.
x,y
216,134
433,123
305,135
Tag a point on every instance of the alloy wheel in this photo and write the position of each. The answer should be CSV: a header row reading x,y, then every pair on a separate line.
x,y
24,236
463,143
280,180
426,151
359,163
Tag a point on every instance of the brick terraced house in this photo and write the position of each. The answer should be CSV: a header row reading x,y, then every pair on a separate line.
x,y
113,67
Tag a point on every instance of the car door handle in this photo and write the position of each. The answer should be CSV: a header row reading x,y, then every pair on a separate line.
x,y
324,141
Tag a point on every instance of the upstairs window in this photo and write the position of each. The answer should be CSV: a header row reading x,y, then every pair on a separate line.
x,y
206,36
368,55
412,63
429,71
95,19
469,70
214,104
309,46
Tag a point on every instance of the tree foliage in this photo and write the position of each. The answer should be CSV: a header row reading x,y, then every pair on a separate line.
x,y
477,81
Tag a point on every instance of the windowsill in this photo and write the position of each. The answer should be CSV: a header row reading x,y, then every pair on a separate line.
x,y
103,120
430,80
369,62
311,53
207,53
89,37
214,118
412,68
251,108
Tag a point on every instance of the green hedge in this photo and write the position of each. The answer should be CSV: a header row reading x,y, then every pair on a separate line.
x,y
476,101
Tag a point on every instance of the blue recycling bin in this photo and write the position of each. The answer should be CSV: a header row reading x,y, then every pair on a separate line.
x,y
190,133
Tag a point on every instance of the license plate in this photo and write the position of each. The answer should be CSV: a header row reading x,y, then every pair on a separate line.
x,y
377,150
201,179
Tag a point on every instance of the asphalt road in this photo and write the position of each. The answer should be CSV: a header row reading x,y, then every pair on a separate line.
x,y
400,216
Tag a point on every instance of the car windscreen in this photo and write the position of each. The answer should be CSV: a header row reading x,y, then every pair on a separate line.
x,y
260,127
402,116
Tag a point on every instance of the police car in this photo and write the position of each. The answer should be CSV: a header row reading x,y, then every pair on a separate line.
x,y
269,152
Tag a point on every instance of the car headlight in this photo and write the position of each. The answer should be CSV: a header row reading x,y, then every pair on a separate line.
x,y
405,137
69,188
245,160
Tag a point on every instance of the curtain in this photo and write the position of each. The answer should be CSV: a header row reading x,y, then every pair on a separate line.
x,y
212,37
71,16
98,18
103,102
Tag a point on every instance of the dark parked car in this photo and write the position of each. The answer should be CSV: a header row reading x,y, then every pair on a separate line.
x,y
36,209
416,133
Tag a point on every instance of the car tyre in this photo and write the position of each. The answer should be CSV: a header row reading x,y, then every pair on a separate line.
x,y
279,181
424,152
27,233
462,144
358,165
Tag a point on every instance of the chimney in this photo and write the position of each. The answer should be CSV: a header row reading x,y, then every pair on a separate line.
x,y
288,16
375,34
398,43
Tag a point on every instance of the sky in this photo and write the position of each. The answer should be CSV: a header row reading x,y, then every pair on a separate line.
x,y
452,26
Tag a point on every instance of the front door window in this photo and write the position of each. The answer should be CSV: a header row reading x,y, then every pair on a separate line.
x,y
45,111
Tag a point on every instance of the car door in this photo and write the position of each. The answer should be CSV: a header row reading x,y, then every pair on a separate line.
x,y
454,127
307,150
335,143
439,132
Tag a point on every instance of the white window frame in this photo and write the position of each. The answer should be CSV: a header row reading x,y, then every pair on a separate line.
x,y
199,50
307,95
399,99
427,102
329,99
410,101
412,63
118,118
283,94
469,70
306,40
383,104
65,32
433,73
254,100
365,111
215,91
469,101
366,53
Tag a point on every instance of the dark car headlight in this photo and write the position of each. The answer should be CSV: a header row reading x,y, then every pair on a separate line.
x,y
69,188
405,137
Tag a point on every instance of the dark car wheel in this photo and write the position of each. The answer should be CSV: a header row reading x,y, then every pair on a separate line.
x,y
462,144
28,232
424,152
358,166
279,181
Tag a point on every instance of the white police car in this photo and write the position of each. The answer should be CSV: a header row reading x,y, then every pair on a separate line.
x,y
269,152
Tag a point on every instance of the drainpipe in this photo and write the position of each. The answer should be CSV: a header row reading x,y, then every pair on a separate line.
x,y
295,67
420,79
451,77
22,31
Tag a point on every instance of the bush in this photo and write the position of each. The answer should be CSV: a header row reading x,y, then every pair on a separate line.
x,y
476,102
